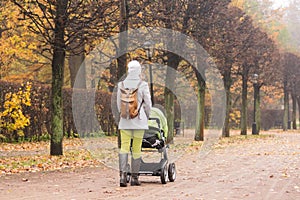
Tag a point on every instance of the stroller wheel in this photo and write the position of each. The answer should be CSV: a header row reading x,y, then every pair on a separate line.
x,y
172,172
164,174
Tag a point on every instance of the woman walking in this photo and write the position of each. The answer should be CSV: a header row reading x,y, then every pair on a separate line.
x,y
133,128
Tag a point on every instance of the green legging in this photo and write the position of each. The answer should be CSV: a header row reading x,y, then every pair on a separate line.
x,y
137,138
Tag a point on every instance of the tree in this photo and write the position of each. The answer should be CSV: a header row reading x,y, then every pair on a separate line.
x,y
53,21
221,45
192,14
258,56
255,53
58,63
43,26
291,78
165,14
247,59
268,69
19,60
123,38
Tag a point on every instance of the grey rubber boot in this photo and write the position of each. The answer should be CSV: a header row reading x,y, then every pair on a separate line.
x,y
135,168
123,160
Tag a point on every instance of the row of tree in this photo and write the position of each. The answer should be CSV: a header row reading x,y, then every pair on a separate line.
x,y
60,32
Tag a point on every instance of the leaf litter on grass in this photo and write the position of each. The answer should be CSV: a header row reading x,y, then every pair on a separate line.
x,y
78,153
34,157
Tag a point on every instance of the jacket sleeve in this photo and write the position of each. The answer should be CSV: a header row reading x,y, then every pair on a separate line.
x,y
147,99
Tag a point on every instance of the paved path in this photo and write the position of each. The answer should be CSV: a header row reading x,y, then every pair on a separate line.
x,y
256,169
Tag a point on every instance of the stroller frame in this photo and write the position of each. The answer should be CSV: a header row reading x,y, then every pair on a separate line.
x,y
163,168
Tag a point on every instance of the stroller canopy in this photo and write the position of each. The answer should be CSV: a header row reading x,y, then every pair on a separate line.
x,y
157,113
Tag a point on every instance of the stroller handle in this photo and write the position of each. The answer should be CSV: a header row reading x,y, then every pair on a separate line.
x,y
156,119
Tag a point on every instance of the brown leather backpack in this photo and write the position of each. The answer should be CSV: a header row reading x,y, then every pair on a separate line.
x,y
129,102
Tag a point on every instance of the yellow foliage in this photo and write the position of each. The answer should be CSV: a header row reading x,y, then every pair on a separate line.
x,y
238,3
18,46
235,117
12,118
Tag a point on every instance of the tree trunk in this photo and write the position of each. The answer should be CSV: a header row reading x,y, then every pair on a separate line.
x,y
169,105
170,77
244,103
173,61
294,110
123,38
227,85
120,68
200,115
56,147
258,111
286,105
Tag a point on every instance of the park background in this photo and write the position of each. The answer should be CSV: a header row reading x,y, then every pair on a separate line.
x,y
43,44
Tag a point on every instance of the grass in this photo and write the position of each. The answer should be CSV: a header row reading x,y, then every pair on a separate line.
x,y
34,163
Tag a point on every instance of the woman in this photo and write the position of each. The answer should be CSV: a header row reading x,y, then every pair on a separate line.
x,y
133,128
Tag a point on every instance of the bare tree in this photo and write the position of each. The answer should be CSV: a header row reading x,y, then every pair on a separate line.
x,y
60,23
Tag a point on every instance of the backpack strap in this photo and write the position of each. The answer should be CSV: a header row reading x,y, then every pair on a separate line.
x,y
122,85
140,106
142,100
